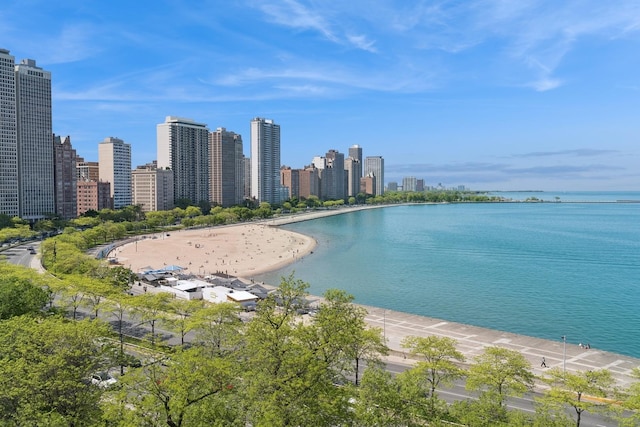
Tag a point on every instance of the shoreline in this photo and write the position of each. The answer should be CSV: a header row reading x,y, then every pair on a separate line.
x,y
245,249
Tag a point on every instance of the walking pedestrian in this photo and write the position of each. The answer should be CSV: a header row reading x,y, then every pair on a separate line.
x,y
544,363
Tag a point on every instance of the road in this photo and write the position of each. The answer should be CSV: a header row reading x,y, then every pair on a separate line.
x,y
526,403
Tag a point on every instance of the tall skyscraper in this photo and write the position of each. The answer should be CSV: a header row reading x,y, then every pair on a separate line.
x,y
114,159
227,177
65,178
374,165
246,173
9,190
353,169
34,131
355,152
265,161
183,147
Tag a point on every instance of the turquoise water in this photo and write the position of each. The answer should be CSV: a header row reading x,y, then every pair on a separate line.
x,y
538,269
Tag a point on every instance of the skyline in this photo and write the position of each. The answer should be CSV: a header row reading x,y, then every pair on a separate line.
x,y
490,95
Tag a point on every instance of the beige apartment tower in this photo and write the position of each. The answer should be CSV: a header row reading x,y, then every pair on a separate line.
x,y
152,188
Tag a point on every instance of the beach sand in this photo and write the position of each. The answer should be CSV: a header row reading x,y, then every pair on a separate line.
x,y
240,250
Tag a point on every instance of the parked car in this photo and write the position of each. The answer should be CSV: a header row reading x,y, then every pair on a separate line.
x,y
103,379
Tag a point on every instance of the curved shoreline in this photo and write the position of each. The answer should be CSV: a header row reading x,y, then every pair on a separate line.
x,y
246,249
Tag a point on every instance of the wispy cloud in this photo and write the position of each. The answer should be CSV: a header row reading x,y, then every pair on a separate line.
x,y
583,152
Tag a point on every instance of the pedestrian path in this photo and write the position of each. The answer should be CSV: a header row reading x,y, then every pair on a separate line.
x,y
472,341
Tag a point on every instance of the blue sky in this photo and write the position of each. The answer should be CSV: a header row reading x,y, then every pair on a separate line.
x,y
491,94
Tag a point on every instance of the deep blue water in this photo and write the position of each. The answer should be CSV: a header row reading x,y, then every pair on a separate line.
x,y
538,269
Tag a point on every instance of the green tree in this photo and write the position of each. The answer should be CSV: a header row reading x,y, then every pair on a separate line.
x,y
343,336
378,402
218,328
19,295
151,308
288,382
570,389
189,389
631,402
44,371
437,365
499,373
179,315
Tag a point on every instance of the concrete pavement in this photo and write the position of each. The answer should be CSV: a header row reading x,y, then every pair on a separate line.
x,y
472,341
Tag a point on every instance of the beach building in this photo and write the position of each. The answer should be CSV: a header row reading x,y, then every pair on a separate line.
x,y
217,294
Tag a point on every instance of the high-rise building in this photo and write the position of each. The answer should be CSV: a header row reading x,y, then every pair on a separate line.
x,y
420,185
9,204
375,165
114,159
183,147
152,188
227,176
265,161
409,183
309,182
34,131
355,152
353,171
65,178
290,178
246,173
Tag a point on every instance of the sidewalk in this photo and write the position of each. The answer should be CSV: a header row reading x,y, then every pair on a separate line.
x,y
473,340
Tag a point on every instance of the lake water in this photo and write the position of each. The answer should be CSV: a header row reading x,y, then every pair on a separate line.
x,y
538,269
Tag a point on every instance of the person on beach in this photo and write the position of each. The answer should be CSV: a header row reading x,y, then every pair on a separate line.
x,y
544,363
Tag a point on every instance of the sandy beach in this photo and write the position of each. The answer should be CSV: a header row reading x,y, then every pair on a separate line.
x,y
241,250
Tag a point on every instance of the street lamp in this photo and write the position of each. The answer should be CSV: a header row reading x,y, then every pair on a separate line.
x,y
384,324
564,353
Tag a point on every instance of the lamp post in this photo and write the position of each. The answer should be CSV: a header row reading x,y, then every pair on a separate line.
x,y
384,325
564,353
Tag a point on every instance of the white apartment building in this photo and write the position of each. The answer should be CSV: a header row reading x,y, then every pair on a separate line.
x,y
409,183
265,161
9,190
35,141
114,160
